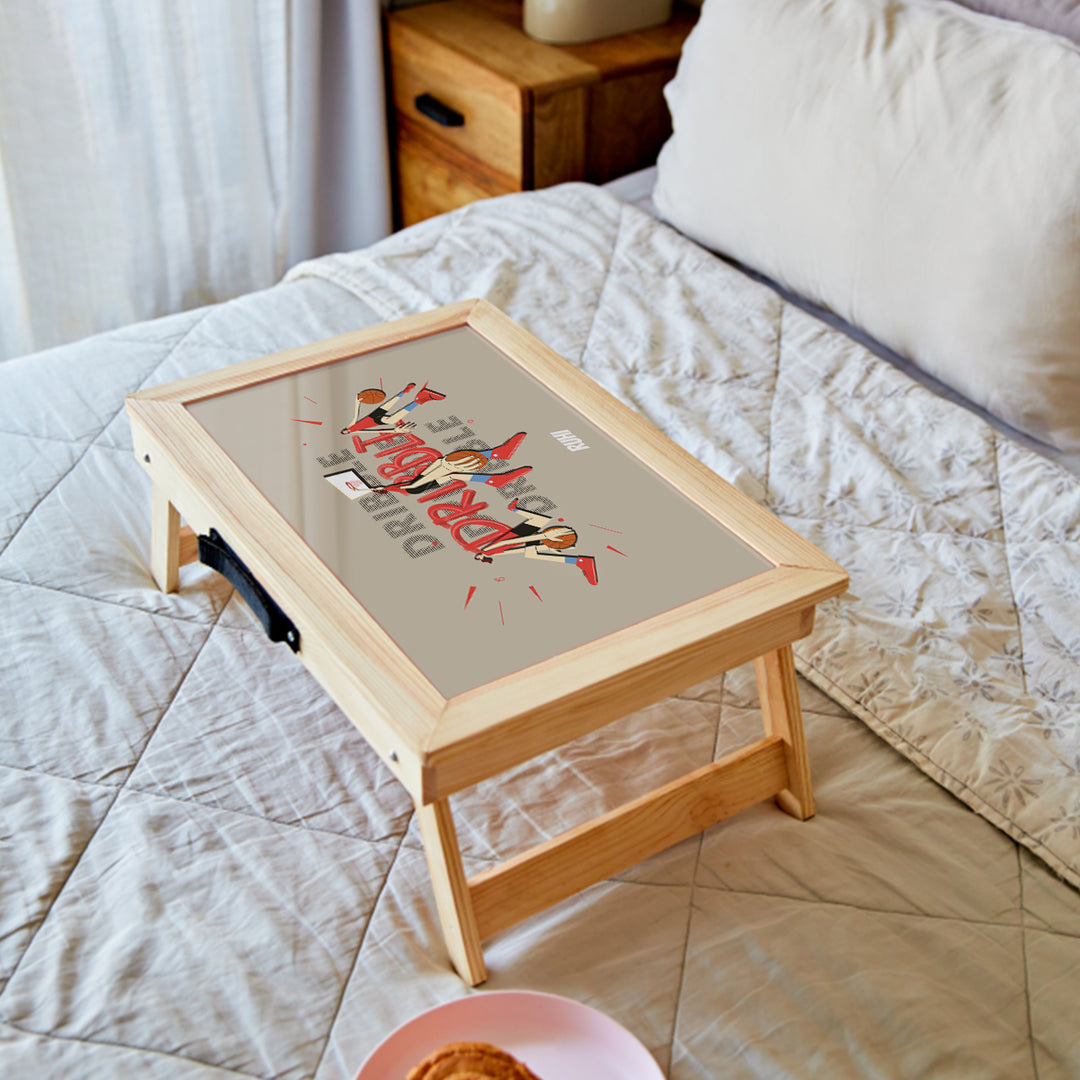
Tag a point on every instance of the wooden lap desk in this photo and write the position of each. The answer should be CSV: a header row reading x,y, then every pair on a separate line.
x,y
481,555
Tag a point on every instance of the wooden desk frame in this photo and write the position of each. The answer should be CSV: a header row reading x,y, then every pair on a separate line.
x,y
437,746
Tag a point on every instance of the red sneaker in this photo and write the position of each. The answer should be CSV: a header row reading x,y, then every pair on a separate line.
x,y
587,565
505,451
513,505
428,395
499,479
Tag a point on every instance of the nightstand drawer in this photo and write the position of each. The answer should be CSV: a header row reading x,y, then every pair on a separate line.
x,y
490,108
434,177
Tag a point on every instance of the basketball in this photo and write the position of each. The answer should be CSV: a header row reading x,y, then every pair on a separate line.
x,y
371,397
463,460
558,536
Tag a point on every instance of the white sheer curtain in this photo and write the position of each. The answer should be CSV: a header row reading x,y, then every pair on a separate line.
x,y
156,155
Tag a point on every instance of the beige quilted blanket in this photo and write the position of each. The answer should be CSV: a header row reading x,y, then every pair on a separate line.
x,y
206,874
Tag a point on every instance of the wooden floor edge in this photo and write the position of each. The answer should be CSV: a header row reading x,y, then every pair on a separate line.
x,y
561,867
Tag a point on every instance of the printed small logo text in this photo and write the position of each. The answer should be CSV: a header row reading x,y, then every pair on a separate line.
x,y
569,440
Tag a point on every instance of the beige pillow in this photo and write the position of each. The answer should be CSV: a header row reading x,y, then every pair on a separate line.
x,y
909,164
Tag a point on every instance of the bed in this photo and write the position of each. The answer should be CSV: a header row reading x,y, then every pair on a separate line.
x,y
207,874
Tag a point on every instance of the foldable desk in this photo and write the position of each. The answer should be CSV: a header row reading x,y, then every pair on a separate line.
x,y
481,555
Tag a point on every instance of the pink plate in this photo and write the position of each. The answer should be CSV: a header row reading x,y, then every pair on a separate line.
x,y
557,1038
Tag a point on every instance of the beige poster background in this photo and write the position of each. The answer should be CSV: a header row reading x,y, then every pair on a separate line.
x,y
461,621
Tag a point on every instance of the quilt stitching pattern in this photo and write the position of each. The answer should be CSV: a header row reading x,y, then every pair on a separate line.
x,y
201,767
977,655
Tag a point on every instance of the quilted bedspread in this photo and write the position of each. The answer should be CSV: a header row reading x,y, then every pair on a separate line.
x,y
205,873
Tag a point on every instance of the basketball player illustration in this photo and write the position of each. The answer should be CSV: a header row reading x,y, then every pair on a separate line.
x,y
538,541
463,465
387,416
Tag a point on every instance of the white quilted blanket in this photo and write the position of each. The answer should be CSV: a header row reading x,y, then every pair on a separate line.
x,y
205,874
959,641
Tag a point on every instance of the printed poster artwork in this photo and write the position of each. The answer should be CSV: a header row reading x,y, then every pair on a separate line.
x,y
481,521
422,471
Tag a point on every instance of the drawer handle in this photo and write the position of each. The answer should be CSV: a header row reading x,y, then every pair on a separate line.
x,y
438,111
215,553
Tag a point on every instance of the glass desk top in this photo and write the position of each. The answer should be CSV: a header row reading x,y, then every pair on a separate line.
x,y
482,521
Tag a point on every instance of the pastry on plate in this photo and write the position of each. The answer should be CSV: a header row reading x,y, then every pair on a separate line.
x,y
470,1061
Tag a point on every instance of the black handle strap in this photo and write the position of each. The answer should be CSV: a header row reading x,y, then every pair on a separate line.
x,y
439,111
215,553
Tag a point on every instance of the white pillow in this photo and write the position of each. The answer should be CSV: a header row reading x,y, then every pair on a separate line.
x,y
911,165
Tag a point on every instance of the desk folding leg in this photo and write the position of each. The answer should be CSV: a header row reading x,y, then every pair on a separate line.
x,y
782,714
452,896
164,542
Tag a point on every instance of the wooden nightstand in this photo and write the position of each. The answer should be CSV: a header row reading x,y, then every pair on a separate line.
x,y
482,109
